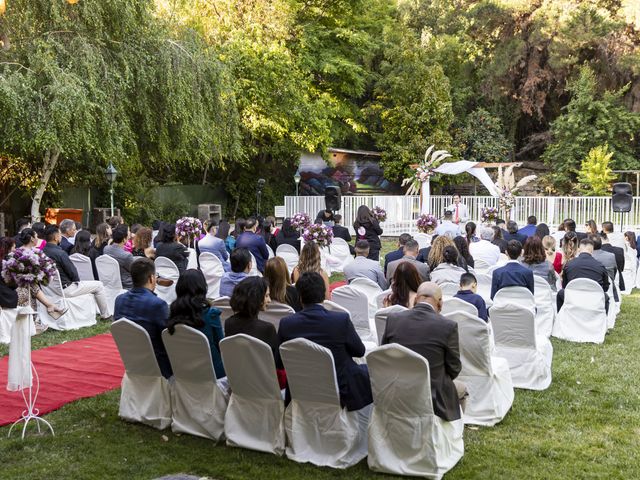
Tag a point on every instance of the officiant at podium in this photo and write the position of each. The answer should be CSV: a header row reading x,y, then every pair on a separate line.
x,y
459,211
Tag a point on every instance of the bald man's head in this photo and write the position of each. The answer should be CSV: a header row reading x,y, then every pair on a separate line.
x,y
431,293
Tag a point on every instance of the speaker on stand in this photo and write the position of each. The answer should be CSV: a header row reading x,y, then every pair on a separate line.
x,y
621,199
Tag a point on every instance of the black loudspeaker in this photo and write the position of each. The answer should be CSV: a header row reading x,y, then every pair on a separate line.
x,y
332,198
622,197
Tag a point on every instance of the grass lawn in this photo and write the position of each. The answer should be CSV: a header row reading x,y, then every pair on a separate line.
x,y
586,425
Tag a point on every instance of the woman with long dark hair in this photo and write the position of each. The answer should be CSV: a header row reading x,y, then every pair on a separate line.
x,y
498,239
280,288
367,228
465,260
82,244
287,235
542,230
230,241
170,248
191,308
404,286
470,230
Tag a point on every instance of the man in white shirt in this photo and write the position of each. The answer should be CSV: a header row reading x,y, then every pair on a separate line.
x,y
485,250
615,238
362,267
459,211
448,228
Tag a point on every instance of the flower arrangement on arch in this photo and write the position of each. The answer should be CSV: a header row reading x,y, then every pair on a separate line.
x,y
507,188
489,214
189,228
424,170
426,223
379,213
300,221
26,267
321,234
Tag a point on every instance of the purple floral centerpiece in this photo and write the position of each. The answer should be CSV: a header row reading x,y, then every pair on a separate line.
x,y
426,223
189,228
300,221
320,234
26,267
379,213
489,214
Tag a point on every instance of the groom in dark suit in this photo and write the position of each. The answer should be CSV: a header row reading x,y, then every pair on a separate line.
x,y
513,274
334,331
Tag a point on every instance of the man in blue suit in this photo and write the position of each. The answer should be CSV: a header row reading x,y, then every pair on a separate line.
x,y
334,331
255,243
530,229
512,274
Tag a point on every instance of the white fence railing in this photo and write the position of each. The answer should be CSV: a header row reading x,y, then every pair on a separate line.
x,y
402,211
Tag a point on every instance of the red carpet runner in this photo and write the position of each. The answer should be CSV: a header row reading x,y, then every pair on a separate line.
x,y
70,371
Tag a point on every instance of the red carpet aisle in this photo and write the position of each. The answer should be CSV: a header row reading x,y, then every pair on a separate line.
x,y
68,372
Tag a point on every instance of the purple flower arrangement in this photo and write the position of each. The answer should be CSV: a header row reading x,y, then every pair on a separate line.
x,y
379,213
300,221
189,227
489,214
426,223
320,234
26,267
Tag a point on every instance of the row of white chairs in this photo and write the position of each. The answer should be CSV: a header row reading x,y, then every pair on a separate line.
x,y
399,434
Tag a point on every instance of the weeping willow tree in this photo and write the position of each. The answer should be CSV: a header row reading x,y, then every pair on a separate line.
x,y
87,83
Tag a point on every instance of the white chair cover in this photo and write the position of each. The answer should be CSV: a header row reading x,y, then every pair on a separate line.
x,y
198,401
254,272
82,310
519,296
423,239
529,355
582,317
7,320
255,415
480,265
487,377
109,274
371,289
545,306
380,298
356,302
318,429
222,303
275,312
405,436
340,251
83,265
290,256
271,254
19,375
146,395
450,305
449,289
166,268
212,269
192,261
614,307
381,319
484,285
630,269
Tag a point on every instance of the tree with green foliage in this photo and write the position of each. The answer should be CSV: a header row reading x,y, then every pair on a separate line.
x,y
595,174
482,138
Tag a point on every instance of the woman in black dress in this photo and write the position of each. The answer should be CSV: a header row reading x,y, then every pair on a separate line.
x,y
368,228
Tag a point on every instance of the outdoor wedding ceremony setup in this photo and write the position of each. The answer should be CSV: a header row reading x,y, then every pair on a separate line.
x,y
318,239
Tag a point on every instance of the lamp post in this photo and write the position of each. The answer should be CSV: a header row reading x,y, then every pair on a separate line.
x,y
111,174
296,178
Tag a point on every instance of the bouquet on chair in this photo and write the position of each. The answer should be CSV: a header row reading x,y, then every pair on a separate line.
x,y
379,213
26,267
189,228
426,223
300,221
320,234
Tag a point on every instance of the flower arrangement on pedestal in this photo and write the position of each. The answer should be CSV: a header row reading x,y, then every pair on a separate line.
x,y
26,267
507,188
426,223
489,214
320,234
379,213
189,228
424,170
300,221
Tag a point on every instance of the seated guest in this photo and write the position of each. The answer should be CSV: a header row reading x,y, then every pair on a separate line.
x,y
436,252
115,221
143,243
584,266
125,259
280,288
212,244
512,274
143,307
429,334
465,260
570,226
423,254
192,309
618,253
334,331
101,240
535,258
230,241
512,233
591,227
485,250
411,249
468,293
615,238
398,253
71,283
552,256
362,267
170,248
68,231
39,227
251,297
311,261
470,230
404,286
240,261
500,242
82,244
607,259
339,231
570,246
255,243
502,225
21,224
448,271
447,227
542,230
287,236
530,228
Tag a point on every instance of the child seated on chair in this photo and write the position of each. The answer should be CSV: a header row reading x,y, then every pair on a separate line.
x,y
467,292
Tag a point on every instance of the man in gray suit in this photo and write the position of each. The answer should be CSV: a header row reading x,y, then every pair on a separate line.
x,y
426,332
411,250
607,259
362,267
125,259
